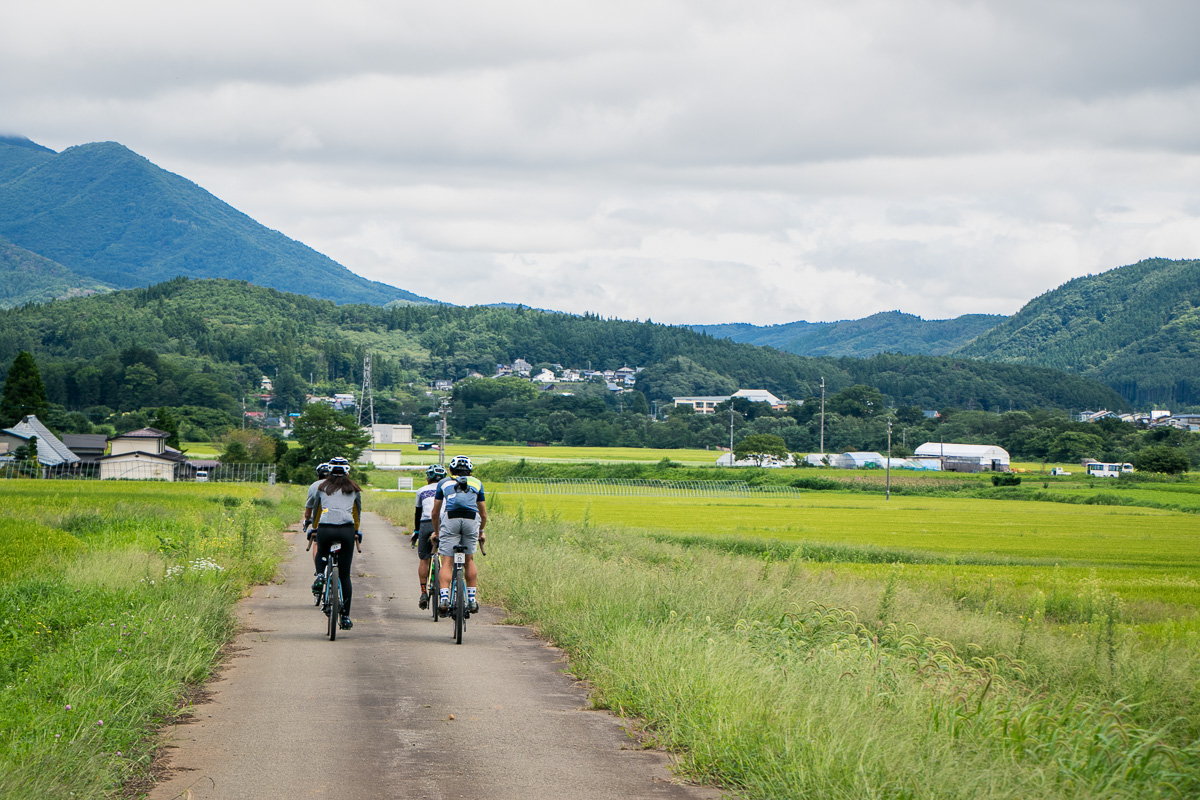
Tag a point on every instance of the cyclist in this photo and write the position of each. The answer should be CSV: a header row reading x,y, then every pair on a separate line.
x,y
322,474
460,498
423,526
336,508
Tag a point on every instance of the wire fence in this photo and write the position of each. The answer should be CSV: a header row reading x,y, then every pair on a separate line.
x,y
143,471
632,487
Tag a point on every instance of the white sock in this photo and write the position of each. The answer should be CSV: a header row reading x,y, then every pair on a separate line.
x,y
471,593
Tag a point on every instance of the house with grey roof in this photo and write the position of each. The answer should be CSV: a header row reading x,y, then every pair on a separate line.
x,y
51,452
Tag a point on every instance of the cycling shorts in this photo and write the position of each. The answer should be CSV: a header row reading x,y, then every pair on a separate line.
x,y
458,531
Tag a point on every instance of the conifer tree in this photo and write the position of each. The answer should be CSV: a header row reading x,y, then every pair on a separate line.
x,y
24,393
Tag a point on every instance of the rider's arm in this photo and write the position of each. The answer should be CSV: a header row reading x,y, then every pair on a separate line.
x,y
436,515
482,519
357,512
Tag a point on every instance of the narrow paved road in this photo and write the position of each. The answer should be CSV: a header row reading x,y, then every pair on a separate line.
x,y
394,709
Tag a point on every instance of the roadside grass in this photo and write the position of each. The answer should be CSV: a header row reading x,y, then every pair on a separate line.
x,y
790,679
124,601
845,646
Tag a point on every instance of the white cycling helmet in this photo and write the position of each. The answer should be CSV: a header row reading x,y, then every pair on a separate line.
x,y
460,463
339,466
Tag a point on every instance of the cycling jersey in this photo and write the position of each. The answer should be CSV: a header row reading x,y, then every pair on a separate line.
x,y
460,501
338,508
425,498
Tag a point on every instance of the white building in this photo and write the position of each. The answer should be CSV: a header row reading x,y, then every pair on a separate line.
x,y
965,457
390,434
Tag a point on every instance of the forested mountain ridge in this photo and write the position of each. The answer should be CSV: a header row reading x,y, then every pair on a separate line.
x,y
26,277
110,215
207,342
885,332
1135,328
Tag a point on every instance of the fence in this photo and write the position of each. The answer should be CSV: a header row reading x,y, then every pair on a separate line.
x,y
134,471
630,487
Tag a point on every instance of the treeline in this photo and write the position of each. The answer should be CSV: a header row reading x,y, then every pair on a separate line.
x,y
207,344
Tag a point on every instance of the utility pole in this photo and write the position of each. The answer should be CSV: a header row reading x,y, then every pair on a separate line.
x,y
243,413
887,495
731,458
443,410
822,417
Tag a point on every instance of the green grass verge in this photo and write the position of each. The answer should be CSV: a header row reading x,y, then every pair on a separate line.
x,y
124,603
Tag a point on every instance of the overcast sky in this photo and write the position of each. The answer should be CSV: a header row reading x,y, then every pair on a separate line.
x,y
689,162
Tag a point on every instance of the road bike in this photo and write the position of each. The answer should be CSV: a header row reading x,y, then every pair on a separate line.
x,y
330,597
432,584
458,593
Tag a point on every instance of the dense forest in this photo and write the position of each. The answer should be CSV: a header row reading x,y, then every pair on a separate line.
x,y
1135,328
202,347
886,332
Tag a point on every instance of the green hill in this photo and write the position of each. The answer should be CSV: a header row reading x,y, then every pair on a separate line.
x,y
26,277
1135,328
886,332
106,213
228,334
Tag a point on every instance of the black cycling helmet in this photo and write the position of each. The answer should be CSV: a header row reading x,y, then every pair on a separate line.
x,y
339,466
322,470
435,471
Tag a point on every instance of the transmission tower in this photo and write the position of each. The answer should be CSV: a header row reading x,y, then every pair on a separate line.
x,y
367,395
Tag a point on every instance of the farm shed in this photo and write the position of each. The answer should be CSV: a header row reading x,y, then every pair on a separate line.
x,y
966,457
858,460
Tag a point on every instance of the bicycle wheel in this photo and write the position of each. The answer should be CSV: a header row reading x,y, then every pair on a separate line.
x,y
460,606
335,603
434,583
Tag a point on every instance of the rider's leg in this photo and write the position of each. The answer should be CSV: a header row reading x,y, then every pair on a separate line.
x,y
471,572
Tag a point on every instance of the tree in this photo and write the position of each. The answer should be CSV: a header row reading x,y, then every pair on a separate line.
x,y
167,423
247,446
760,448
24,393
859,400
1161,458
324,434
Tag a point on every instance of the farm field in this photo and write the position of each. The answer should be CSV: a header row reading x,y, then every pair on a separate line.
x,y
485,452
116,597
843,645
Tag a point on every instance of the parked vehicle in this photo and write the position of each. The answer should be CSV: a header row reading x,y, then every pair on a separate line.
x,y
1100,469
201,476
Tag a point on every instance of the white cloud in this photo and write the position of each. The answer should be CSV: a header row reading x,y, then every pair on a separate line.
x,y
685,161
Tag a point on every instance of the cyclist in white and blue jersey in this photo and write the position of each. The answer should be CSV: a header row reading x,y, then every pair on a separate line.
x,y
459,517
423,526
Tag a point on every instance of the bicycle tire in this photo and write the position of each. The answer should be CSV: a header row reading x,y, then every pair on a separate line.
x,y
335,604
434,584
460,606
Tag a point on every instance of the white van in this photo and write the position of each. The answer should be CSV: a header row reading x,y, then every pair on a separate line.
x,y
1098,469
201,475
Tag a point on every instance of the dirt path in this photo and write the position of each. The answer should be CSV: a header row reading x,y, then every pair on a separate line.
x,y
369,716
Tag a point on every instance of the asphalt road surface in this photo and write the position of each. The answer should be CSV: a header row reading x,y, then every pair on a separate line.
x,y
395,709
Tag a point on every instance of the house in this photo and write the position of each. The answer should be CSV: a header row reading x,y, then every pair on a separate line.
x,y
90,447
51,452
390,434
143,455
545,376
965,457
522,367
705,404
443,386
343,401
266,384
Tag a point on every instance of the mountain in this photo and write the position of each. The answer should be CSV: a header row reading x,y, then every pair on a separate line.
x,y
886,332
105,213
1135,328
26,277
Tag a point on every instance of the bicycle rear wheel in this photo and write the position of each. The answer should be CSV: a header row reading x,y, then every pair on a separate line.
x,y
335,603
460,606
434,583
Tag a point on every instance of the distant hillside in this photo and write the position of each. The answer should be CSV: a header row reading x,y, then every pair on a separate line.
x,y
1135,328
886,332
106,213
233,333
26,277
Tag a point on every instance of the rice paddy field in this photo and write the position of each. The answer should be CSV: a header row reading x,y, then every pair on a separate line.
x,y
964,642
